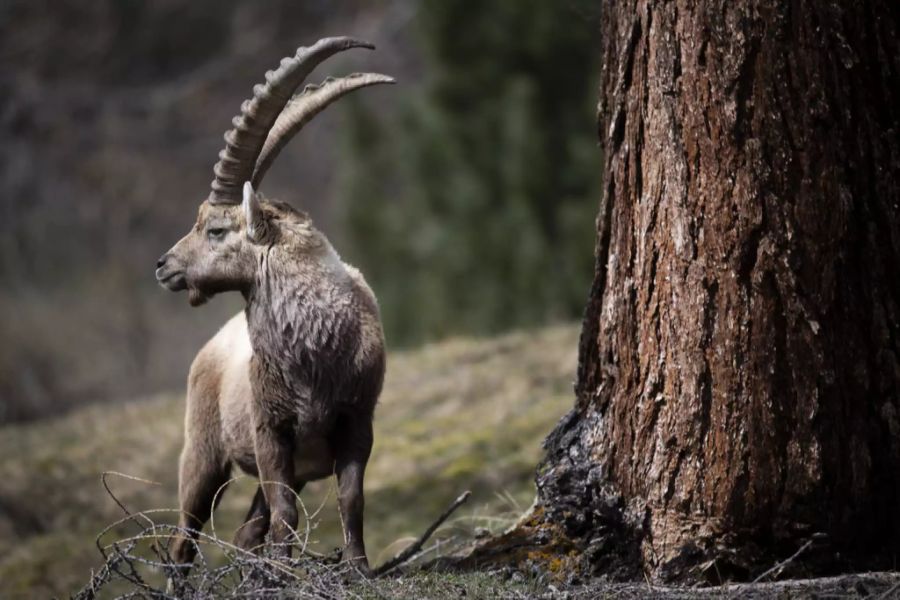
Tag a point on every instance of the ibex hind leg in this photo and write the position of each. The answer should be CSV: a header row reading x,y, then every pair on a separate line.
x,y
252,534
200,484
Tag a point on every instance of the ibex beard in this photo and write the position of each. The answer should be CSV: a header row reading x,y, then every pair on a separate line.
x,y
287,389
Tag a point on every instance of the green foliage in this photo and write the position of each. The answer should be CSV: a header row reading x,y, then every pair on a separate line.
x,y
470,205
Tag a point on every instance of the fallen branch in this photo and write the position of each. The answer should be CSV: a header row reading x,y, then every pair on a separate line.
x,y
890,592
416,546
777,569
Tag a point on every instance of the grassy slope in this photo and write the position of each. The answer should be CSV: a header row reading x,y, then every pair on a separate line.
x,y
464,414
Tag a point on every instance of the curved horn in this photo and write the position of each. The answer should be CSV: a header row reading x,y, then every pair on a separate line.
x,y
302,108
244,142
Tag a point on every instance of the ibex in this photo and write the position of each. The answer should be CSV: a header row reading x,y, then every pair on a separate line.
x,y
286,390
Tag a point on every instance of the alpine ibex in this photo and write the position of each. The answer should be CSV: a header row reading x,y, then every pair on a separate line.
x,y
286,390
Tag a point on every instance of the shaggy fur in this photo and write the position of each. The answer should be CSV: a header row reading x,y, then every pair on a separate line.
x,y
287,389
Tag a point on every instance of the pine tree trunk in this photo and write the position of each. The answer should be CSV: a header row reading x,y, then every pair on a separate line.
x,y
738,391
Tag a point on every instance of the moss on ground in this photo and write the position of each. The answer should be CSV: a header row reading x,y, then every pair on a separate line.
x,y
463,414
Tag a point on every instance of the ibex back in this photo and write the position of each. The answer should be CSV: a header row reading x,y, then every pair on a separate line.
x,y
287,389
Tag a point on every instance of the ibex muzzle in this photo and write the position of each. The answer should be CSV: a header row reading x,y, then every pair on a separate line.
x,y
287,389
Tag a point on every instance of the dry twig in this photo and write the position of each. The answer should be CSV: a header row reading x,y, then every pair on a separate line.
x,y
134,563
413,548
777,569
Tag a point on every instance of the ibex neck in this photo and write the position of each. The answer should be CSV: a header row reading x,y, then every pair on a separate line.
x,y
302,311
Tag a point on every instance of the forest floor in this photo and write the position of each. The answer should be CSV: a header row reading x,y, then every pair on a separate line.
x,y
464,414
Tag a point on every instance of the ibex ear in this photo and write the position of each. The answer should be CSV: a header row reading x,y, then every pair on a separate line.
x,y
252,213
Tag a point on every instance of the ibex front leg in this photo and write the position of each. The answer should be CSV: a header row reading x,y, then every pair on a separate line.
x,y
274,446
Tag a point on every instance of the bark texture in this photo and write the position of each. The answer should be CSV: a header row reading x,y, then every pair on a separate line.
x,y
739,382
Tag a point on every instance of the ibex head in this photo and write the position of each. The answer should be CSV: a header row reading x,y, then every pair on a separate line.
x,y
220,253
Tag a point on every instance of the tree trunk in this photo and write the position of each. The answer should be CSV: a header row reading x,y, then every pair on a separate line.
x,y
738,392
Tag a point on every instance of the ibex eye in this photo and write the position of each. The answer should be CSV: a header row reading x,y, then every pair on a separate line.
x,y
215,233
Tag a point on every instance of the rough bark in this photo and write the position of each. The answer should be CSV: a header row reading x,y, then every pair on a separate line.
x,y
738,391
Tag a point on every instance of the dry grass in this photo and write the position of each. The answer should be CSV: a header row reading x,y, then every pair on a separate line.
x,y
463,414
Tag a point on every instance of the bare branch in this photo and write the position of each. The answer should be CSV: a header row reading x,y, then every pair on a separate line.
x,y
413,548
777,569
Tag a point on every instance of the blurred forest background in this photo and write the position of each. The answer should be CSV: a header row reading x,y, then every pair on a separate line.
x,y
466,194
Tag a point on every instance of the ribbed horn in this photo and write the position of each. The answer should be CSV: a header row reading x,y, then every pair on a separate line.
x,y
302,108
244,142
